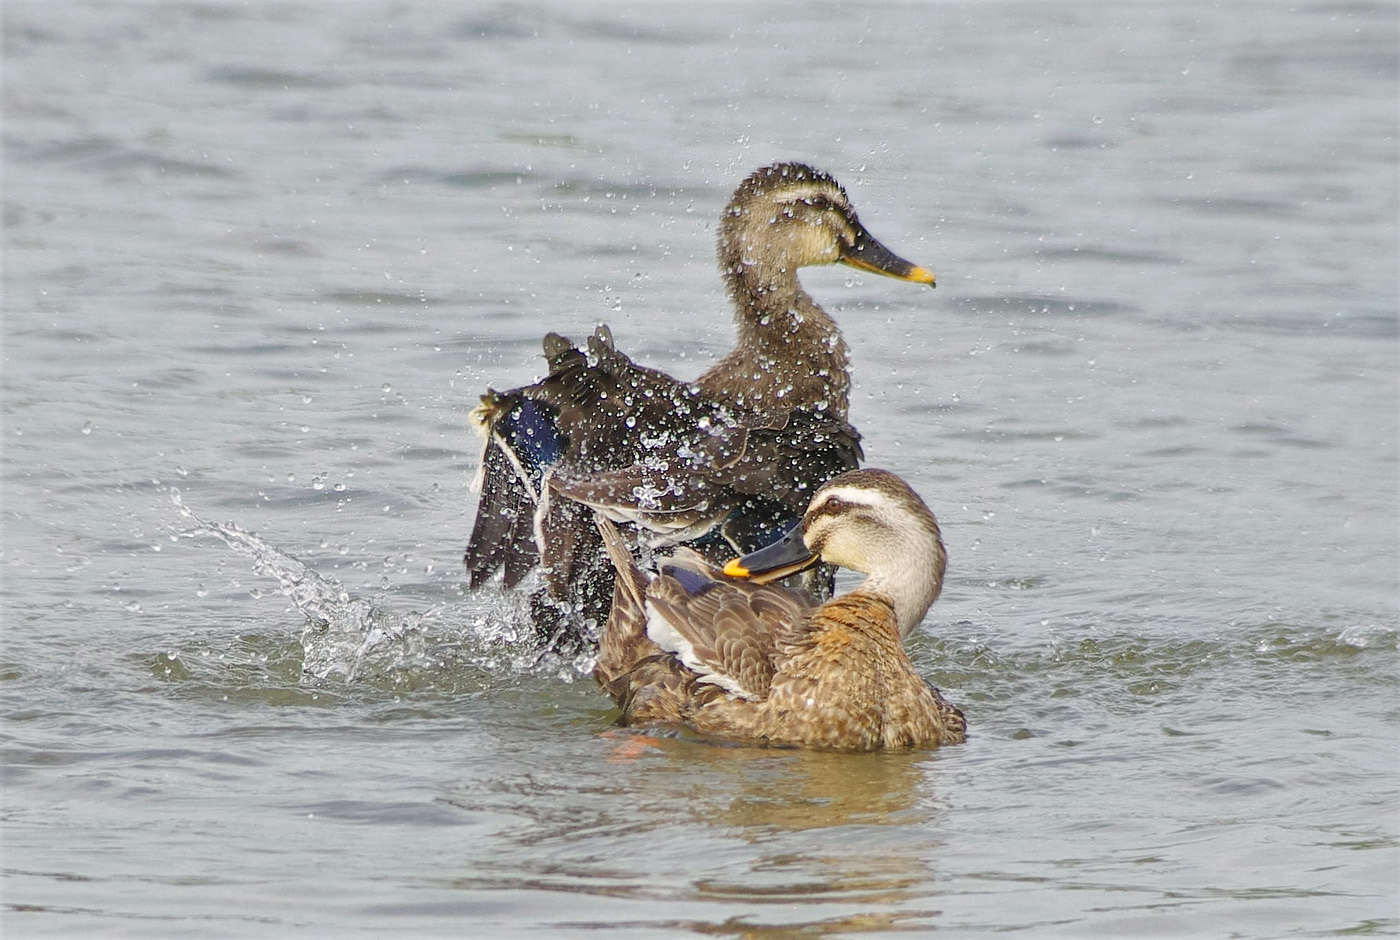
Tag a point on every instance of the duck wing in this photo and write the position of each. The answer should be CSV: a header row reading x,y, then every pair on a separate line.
x,y
503,536
724,631
752,478
787,456
583,418
641,447
648,684
624,645
784,460
670,505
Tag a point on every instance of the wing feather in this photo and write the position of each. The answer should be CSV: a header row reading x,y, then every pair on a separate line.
x,y
601,432
725,632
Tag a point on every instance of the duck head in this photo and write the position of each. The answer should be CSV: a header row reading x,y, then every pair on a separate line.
x,y
869,521
789,215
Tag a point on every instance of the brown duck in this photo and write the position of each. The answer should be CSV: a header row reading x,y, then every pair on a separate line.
x,y
723,463
739,657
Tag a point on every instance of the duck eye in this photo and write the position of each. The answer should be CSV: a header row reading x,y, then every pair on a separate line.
x,y
820,203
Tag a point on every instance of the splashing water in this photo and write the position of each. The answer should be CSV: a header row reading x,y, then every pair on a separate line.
x,y
355,638
343,633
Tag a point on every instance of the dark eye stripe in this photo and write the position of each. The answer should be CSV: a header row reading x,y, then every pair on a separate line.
x,y
836,506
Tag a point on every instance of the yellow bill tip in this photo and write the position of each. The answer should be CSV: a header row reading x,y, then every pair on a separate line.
x,y
922,276
733,569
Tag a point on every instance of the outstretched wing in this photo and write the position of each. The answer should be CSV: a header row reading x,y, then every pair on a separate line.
x,y
753,480
502,536
787,457
580,418
600,432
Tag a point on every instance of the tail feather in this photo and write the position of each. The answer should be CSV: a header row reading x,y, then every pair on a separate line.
x,y
623,643
631,582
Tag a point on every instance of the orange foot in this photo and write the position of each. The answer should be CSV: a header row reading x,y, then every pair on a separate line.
x,y
629,746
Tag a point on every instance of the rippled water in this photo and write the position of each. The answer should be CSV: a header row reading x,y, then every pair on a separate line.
x,y
259,259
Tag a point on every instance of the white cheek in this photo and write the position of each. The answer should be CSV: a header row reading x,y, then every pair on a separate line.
x,y
839,551
817,244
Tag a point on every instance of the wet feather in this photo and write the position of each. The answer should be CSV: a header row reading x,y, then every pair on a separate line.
x,y
758,661
719,462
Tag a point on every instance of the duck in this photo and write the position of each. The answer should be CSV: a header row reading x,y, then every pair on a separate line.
x,y
731,654
722,463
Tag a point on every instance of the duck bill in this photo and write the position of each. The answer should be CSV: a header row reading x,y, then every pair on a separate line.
x,y
788,555
867,254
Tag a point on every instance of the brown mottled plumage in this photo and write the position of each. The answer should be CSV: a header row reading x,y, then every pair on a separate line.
x,y
736,453
744,659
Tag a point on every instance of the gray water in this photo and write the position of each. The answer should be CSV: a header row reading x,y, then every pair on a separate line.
x,y
259,260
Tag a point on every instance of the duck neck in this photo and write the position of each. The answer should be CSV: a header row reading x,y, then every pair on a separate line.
x,y
911,595
788,352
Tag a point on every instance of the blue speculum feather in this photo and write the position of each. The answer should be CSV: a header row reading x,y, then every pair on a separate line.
x,y
532,432
693,582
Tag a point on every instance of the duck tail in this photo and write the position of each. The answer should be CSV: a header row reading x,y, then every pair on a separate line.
x,y
631,583
623,645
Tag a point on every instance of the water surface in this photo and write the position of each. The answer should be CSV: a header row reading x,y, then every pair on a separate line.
x,y
260,259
